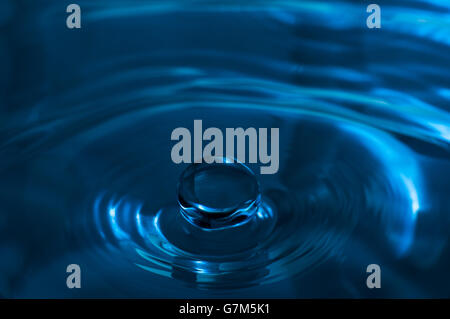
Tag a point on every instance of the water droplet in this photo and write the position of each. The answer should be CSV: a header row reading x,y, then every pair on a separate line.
x,y
218,195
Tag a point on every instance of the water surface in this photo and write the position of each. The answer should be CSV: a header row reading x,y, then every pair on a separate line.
x,y
86,175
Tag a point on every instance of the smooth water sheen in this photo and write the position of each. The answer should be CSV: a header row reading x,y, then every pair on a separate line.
x,y
86,175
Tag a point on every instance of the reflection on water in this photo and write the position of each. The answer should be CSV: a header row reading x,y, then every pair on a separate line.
x,y
86,173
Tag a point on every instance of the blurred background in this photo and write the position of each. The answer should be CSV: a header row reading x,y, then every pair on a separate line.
x,y
85,122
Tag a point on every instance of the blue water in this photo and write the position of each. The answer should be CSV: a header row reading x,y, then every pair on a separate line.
x,y
218,195
86,175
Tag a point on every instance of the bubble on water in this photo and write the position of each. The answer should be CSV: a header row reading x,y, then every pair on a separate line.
x,y
218,195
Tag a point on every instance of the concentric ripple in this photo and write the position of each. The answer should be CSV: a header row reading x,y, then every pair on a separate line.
x,y
307,213
87,176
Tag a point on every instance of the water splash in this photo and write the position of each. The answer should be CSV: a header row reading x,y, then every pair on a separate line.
x,y
218,195
364,144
